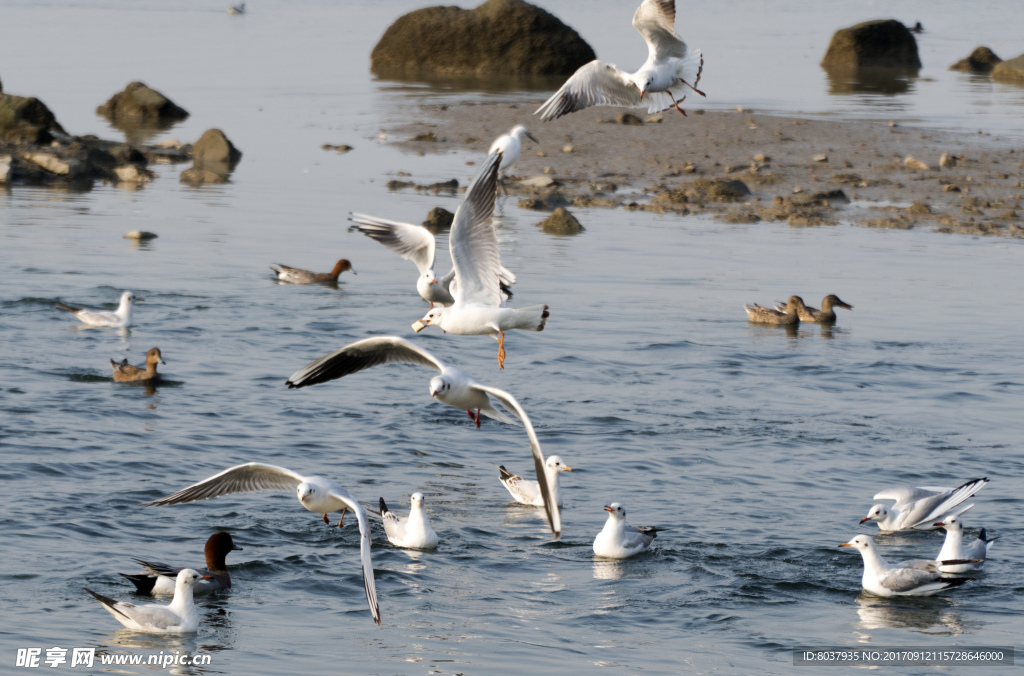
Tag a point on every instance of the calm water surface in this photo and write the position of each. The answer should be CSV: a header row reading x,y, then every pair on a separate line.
x,y
759,449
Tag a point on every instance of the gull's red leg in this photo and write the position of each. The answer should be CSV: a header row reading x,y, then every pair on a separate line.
x,y
692,87
501,343
674,103
342,516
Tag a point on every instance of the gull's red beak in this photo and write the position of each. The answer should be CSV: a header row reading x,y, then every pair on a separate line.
x,y
866,518
846,544
939,524
608,509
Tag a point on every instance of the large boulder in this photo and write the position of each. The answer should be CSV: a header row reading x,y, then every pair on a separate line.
x,y
982,60
504,37
213,159
24,118
873,44
1011,70
140,105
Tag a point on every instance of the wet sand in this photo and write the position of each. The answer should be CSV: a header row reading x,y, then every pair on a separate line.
x,y
806,172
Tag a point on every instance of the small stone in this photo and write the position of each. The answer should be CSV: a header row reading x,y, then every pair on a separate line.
x,y
425,137
561,222
213,149
761,157
628,119
688,168
51,163
911,163
548,170
438,219
567,149
5,168
140,235
950,188
197,176
655,119
538,182
171,143
948,161
339,148
820,158
798,190
133,173
739,109
541,153
892,123
138,104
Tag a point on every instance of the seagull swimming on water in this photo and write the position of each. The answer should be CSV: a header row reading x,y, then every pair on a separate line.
x,y
412,532
178,617
917,577
527,491
921,507
619,541
473,244
452,387
315,493
954,548
670,72
120,318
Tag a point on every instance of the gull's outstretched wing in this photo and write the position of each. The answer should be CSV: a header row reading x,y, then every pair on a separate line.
x,y
369,583
473,242
655,21
412,242
362,355
546,491
252,476
929,509
594,84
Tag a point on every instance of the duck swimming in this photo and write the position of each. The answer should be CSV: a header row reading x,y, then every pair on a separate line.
x,y
126,373
826,315
297,276
766,315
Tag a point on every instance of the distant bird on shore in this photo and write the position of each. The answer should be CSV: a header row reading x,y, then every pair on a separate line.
x,y
473,244
412,532
120,318
826,315
670,72
126,373
178,617
415,243
510,145
619,541
299,276
759,314
917,577
921,507
237,9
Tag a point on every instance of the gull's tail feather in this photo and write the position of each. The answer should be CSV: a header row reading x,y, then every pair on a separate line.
x,y
531,318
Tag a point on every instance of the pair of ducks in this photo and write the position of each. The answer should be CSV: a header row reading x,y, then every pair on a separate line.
x,y
794,312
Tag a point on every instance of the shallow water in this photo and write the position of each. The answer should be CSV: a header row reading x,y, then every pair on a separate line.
x,y
759,449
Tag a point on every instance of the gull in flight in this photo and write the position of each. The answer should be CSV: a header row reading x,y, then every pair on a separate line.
x,y
298,276
178,617
160,578
619,541
474,247
954,548
527,491
120,318
917,577
413,532
921,507
510,145
452,387
315,493
415,243
670,72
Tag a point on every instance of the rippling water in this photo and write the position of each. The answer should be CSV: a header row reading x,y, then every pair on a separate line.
x,y
760,449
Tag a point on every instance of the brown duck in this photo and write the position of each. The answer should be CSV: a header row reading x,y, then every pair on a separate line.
x,y
126,373
766,315
159,578
298,276
826,315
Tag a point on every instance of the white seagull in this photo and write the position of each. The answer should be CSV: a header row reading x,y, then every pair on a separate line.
x,y
671,70
317,494
510,145
954,548
178,617
917,577
619,541
474,247
415,243
920,507
413,532
120,318
527,491
452,387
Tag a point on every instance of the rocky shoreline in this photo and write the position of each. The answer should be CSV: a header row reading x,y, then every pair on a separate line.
x,y
744,167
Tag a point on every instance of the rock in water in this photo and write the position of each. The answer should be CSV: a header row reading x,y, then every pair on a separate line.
x,y
500,37
561,222
213,147
27,119
982,60
873,44
438,219
140,105
1011,70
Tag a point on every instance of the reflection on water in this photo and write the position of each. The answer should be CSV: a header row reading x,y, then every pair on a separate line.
x,y
459,83
886,81
157,652
930,615
608,569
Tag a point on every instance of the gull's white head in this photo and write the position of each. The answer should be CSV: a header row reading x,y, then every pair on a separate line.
x,y
434,316
519,131
876,513
430,276
643,82
306,492
417,500
861,543
615,511
951,524
555,464
439,386
127,298
187,577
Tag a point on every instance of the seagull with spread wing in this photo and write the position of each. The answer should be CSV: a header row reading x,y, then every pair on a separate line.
x,y
670,72
452,387
315,493
476,290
